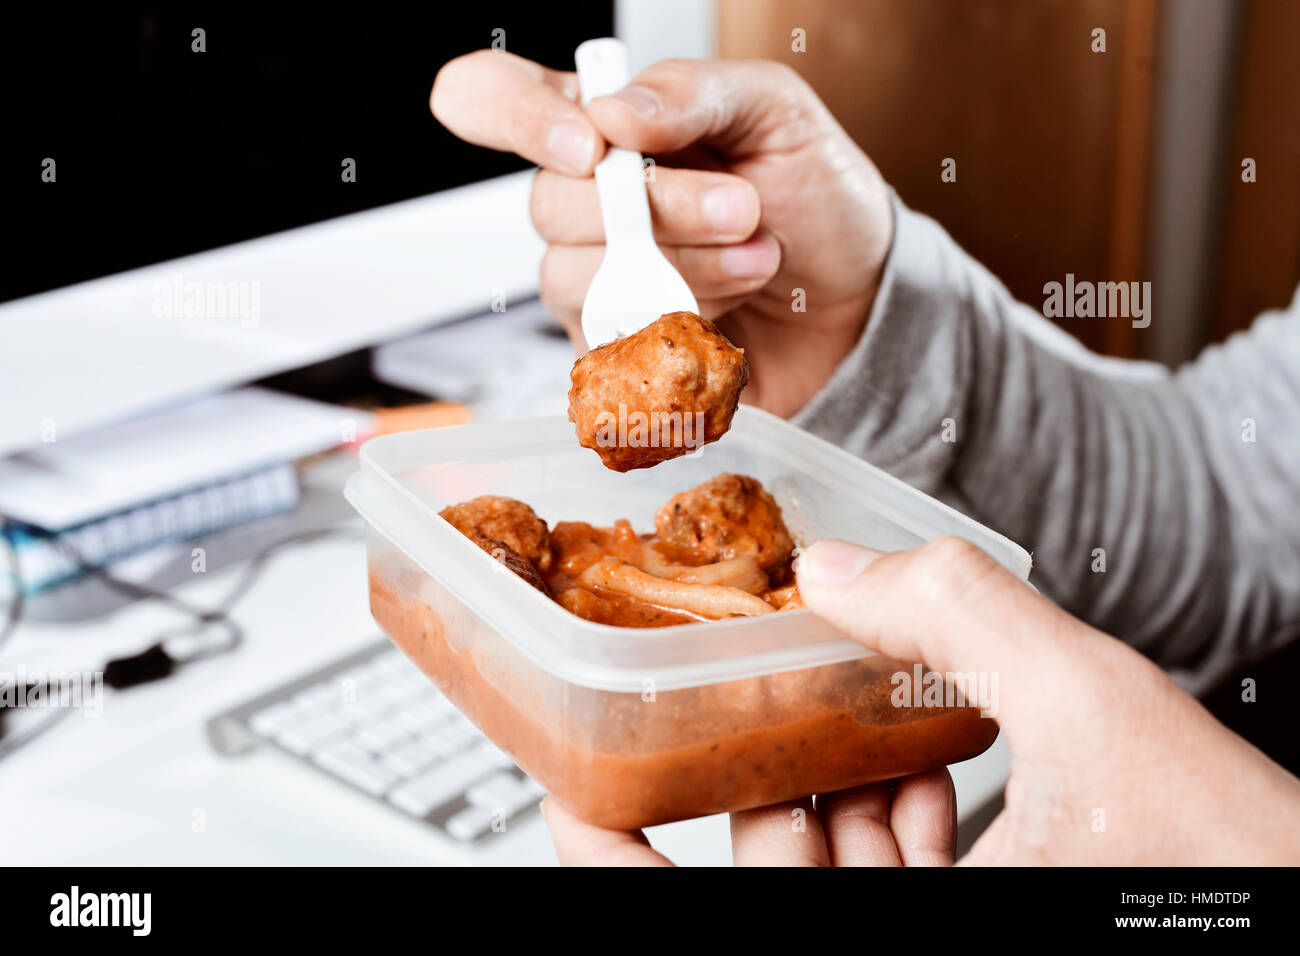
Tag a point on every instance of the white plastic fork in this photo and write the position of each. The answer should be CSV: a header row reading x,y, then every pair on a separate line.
x,y
635,284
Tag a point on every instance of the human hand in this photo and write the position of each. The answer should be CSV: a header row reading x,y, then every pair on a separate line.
x,y
907,822
757,192
1111,763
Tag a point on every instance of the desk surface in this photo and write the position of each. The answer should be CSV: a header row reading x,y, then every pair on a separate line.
x,y
126,788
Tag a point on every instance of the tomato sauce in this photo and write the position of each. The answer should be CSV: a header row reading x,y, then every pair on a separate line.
x,y
622,761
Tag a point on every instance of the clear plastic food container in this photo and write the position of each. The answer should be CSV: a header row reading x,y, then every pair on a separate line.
x,y
633,727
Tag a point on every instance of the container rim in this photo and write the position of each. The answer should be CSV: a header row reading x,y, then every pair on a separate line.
x,y
399,514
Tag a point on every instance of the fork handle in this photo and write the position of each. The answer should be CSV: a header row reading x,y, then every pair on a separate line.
x,y
620,178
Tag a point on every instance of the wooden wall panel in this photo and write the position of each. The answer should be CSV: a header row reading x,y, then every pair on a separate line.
x,y
1259,249
1051,139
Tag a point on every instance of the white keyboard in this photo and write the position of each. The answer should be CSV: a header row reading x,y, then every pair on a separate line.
x,y
373,721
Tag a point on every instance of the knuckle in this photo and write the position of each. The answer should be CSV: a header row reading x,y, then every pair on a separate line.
x,y
682,84
557,309
674,202
560,284
549,274
793,98
954,551
953,569
782,74
755,199
673,74
541,204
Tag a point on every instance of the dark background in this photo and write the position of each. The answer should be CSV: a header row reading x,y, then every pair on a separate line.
x,y
162,152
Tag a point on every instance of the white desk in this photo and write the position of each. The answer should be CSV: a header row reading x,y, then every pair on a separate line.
x,y
124,788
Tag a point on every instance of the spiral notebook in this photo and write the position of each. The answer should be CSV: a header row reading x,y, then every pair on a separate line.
x,y
42,559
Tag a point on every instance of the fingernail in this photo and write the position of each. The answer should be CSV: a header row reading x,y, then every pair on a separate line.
x,y
833,562
728,209
639,100
753,259
572,145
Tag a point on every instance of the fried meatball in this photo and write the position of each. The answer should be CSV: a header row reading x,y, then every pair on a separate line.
x,y
506,520
513,560
664,391
727,516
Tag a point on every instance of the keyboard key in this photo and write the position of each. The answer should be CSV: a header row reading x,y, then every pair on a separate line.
x,y
410,758
435,716
318,697
442,744
370,676
494,755
354,673
502,790
423,712
385,693
471,823
409,718
356,766
382,735
411,681
373,704
456,721
269,720
364,710
466,732
439,784
428,692
306,734
384,727
393,662
438,702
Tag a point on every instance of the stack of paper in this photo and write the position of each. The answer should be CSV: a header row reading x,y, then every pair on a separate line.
x,y
188,471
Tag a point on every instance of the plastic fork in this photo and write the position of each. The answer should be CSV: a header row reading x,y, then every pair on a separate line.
x,y
635,284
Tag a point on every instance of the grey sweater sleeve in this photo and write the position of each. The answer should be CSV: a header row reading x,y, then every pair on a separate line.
x,y
1184,487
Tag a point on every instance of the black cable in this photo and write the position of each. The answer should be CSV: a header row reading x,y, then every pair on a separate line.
x,y
14,610
220,614
154,662
148,664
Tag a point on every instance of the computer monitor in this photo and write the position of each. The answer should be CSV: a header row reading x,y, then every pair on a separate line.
x,y
187,211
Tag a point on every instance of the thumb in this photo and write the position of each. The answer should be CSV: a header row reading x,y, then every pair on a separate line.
x,y
949,605
736,107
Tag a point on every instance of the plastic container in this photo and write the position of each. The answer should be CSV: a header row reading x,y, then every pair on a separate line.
x,y
634,727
